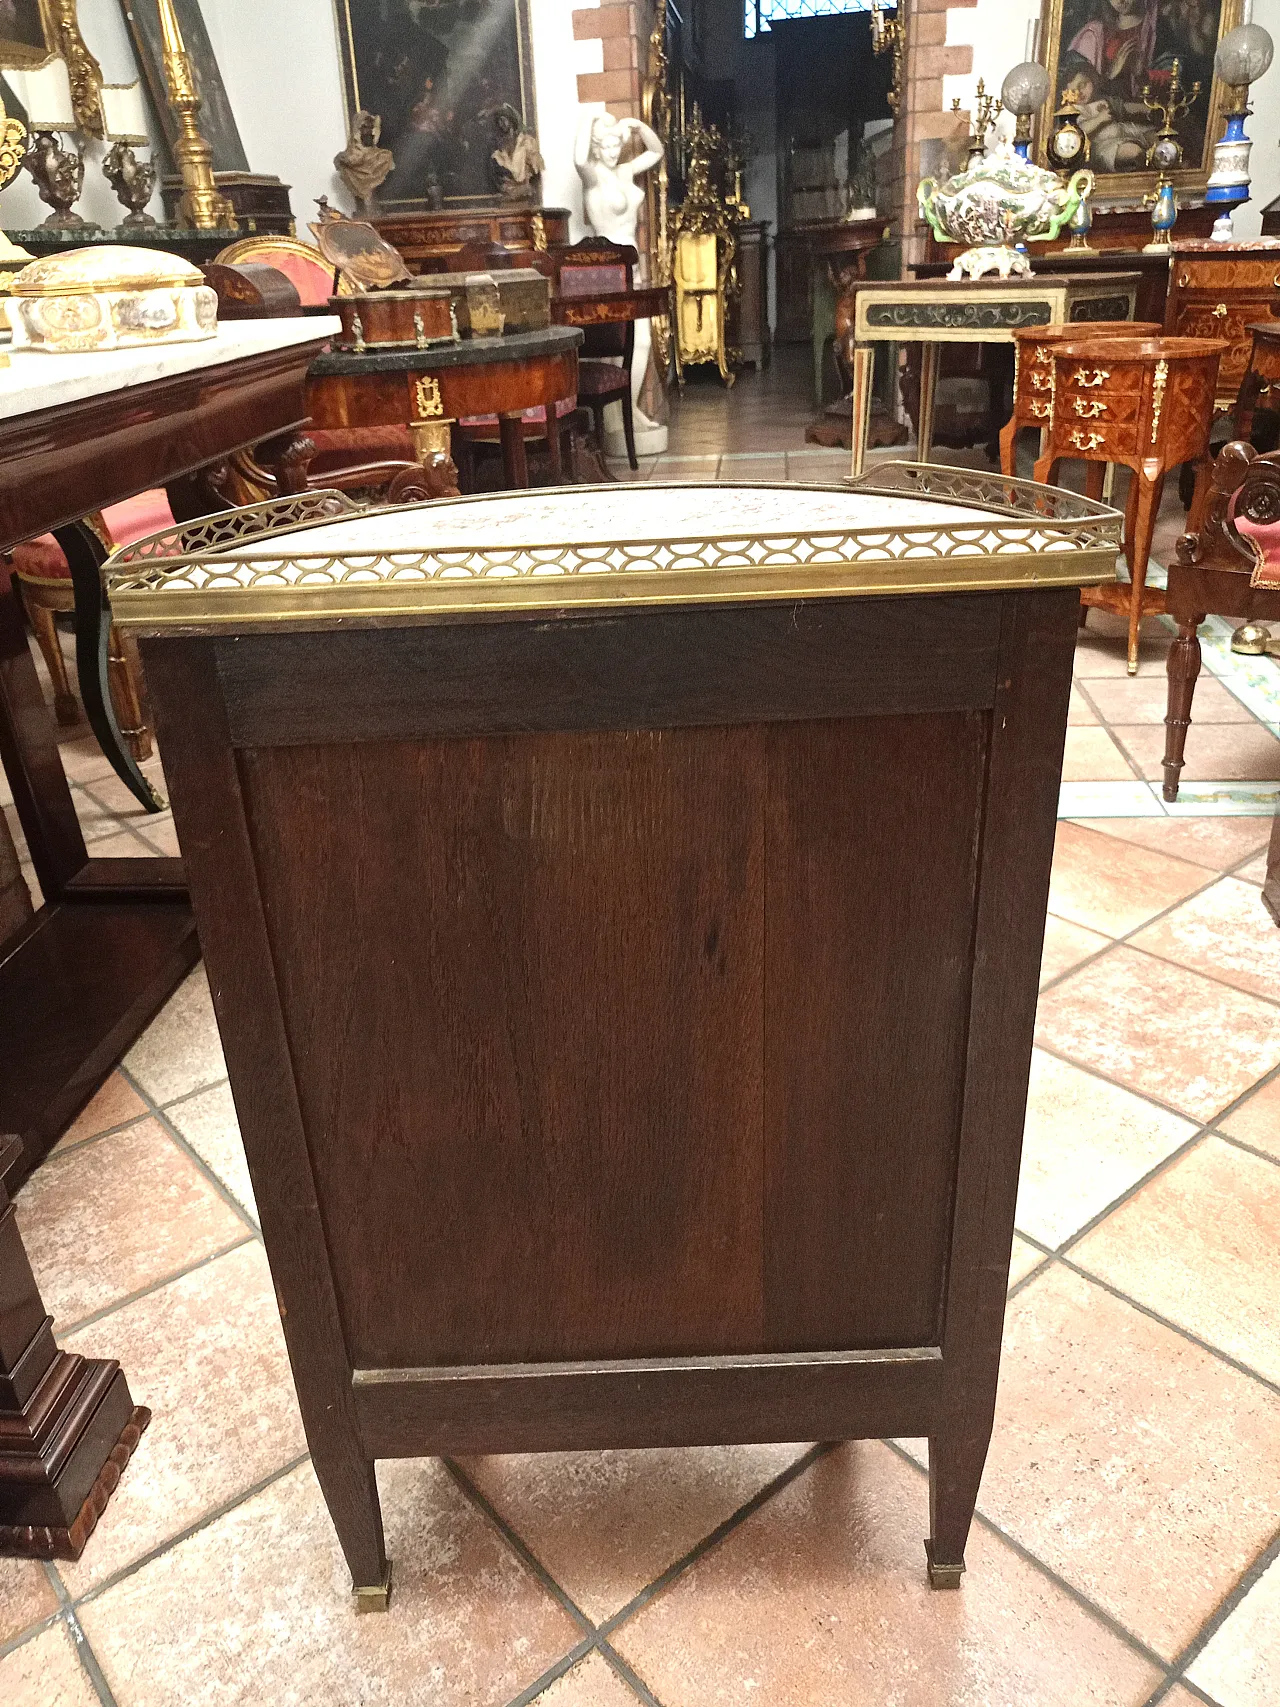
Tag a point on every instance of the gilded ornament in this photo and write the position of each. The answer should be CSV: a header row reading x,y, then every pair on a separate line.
x,y
1158,384
430,403
203,204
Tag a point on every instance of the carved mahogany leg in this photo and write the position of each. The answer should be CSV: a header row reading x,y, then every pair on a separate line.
x,y
66,709
955,1472
68,1424
85,556
1183,669
515,463
1145,513
288,458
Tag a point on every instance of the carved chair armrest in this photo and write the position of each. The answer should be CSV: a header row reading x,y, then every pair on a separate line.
x,y
1241,483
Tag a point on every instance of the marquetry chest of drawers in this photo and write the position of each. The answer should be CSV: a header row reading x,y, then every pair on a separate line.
x,y
1221,290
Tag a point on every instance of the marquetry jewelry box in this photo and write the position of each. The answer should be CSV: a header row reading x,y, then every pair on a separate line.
x,y
110,298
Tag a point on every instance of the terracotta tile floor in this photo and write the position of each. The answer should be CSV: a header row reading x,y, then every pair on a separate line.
x,y
1127,1550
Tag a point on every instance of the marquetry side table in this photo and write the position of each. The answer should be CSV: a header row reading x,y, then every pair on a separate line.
x,y
1146,403
933,312
1033,374
1261,374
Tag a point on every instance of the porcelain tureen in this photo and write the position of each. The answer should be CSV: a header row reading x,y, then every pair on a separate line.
x,y
996,202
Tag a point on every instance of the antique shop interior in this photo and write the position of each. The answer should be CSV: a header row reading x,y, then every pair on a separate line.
x,y
640,862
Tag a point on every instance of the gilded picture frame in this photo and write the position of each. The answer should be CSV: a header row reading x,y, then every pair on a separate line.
x,y
1102,52
435,75
28,33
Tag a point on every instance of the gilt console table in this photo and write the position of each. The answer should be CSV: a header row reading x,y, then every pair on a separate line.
x,y
934,312
623,910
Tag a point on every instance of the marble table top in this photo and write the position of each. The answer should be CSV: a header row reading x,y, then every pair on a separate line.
x,y
39,380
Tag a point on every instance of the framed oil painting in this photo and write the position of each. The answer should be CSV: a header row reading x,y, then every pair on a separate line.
x,y
216,120
436,72
1103,54
28,35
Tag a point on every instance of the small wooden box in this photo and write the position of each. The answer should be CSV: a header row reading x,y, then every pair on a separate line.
x,y
523,300
395,319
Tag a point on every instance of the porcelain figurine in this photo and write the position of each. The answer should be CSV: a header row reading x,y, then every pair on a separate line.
x,y
996,203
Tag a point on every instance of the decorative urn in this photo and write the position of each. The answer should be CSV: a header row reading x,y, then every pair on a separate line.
x,y
997,202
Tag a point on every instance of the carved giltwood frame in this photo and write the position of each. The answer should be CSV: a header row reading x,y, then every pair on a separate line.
x,y
1190,178
63,41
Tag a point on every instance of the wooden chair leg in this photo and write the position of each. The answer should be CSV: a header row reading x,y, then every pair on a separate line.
x,y
554,455
65,705
629,429
1145,513
1183,669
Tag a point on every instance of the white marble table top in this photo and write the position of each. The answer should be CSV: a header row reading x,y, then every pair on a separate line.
x,y
40,380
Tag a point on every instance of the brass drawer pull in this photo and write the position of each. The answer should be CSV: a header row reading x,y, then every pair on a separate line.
x,y
1220,312
1083,376
1089,410
1041,382
1086,441
1042,411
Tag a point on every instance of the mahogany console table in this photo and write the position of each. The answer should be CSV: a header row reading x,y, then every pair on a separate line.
x,y
434,387
589,1101
81,979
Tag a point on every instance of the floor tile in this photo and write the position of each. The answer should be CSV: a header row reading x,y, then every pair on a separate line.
x,y
180,1050
1240,1666
1025,1257
46,1672
1255,871
1257,1120
161,836
821,1597
591,1683
1091,755
1224,932
1216,752
1144,699
256,1608
26,1596
1101,648
1200,1245
206,1354
1221,799
1086,1142
605,1524
1113,886
1080,712
118,1214
1213,842
1065,946
1162,1030
83,759
207,1121
1108,800
1098,1462
112,1105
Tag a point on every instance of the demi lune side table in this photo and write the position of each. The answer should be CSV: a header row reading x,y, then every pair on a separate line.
x,y
623,910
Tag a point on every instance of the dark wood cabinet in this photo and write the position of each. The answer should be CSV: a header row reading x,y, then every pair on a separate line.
x,y
748,321
428,241
626,955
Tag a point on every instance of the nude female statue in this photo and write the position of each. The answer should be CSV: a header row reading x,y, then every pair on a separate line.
x,y
611,200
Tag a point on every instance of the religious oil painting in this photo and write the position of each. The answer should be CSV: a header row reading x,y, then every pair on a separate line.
x,y
1110,57
27,33
438,73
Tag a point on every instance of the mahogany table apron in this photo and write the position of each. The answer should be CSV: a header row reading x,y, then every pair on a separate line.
x,y
936,312
430,389
81,980
625,943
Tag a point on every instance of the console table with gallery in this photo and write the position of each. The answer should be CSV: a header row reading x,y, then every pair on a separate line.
x,y
935,313
428,390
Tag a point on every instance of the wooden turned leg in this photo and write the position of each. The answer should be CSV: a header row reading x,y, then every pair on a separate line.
x,y
515,463
123,677
68,1425
1200,493
955,1472
65,705
1183,669
1145,513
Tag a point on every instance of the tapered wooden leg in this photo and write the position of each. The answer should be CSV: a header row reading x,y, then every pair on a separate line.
x,y
1183,670
1200,494
955,1472
863,376
350,1488
555,457
1146,511
515,463
629,429
65,705
930,359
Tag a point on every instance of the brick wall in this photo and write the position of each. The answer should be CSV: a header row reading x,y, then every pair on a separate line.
x,y
926,129
622,28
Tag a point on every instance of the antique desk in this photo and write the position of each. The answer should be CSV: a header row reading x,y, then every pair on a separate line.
x,y
623,909
937,312
427,390
1218,290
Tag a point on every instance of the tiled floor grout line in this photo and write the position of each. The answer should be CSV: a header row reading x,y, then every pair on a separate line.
x,y
1164,1165
1081,1599
1093,1072
188,1096
65,1329
1249,1149
89,1660
1226,1606
1115,740
64,1149
177,1539
714,1537
159,1114
29,1632
563,1666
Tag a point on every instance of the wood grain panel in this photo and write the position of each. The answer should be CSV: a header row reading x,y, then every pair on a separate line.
x,y
872,861
535,1090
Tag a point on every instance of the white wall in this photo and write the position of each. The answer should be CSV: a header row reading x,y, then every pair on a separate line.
x,y
996,30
